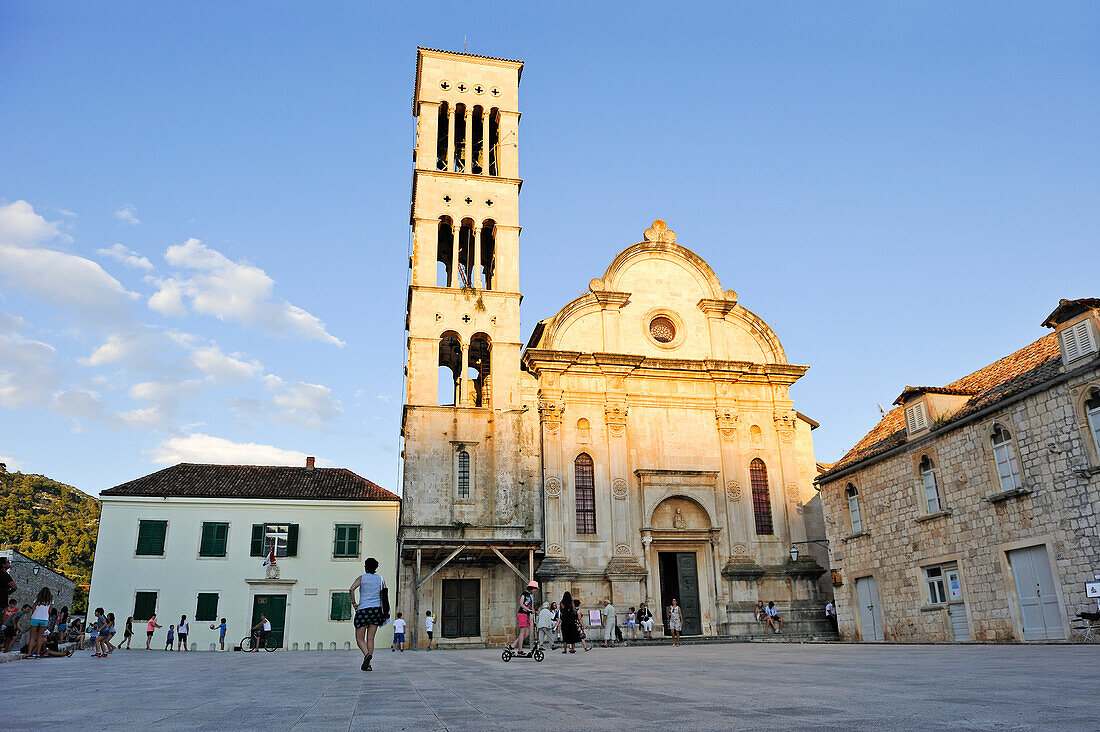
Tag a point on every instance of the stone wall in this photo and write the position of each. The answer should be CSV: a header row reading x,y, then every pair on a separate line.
x,y
1058,509
29,583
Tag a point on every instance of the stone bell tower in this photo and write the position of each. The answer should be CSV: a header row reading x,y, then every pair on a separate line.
x,y
471,519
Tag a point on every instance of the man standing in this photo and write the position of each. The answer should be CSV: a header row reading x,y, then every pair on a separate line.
x,y
609,622
830,615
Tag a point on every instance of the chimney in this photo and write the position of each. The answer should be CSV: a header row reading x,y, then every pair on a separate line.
x,y
309,463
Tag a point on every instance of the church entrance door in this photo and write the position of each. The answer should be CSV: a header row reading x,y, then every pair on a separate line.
x,y
680,580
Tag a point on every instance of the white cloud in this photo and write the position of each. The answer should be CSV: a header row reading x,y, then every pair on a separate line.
x,y
10,323
116,348
304,404
80,404
27,373
13,465
127,256
163,391
66,212
21,226
229,290
65,279
211,361
127,216
144,418
200,448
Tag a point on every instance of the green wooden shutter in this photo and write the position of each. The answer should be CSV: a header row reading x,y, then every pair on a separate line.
x,y
214,536
145,604
353,540
292,540
341,606
257,540
151,538
207,606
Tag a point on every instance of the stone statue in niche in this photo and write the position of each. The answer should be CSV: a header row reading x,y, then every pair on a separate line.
x,y
678,521
680,513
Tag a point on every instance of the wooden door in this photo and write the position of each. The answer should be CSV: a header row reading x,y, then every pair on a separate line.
x,y
870,614
461,612
1039,610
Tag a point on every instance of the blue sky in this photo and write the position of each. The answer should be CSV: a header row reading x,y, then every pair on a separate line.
x,y
204,206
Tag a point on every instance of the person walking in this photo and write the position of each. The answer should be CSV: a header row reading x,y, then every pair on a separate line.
x,y
127,634
110,630
609,622
40,619
645,618
830,616
580,626
429,627
545,627
372,608
398,635
181,633
523,615
149,630
171,637
570,624
675,621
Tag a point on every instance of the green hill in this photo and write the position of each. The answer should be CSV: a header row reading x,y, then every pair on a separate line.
x,y
50,522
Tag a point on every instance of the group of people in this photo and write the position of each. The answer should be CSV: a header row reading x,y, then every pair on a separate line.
x,y
562,622
37,629
769,616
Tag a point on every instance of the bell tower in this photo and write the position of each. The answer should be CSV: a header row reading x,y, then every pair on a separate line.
x,y
470,458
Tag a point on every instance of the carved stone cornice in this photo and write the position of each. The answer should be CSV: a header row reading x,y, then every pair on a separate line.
x,y
608,300
556,568
718,308
742,569
624,567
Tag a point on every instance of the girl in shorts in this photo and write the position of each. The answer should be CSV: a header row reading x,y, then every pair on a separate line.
x,y
630,623
106,640
63,623
372,609
40,618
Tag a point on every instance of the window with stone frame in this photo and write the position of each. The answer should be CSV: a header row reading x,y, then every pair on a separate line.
x,y
1004,455
584,488
1092,416
933,501
463,474
853,509
761,498
934,583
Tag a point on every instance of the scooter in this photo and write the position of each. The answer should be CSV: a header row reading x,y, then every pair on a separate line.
x,y
508,654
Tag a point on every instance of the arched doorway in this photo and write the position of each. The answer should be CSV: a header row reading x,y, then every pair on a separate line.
x,y
679,520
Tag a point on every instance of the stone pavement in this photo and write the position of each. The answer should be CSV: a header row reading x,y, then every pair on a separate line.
x,y
734,686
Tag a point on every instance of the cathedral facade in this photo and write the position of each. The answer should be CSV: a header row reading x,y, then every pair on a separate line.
x,y
641,447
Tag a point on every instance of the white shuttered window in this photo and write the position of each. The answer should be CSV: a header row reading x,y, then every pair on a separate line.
x,y
1078,341
916,418
1004,454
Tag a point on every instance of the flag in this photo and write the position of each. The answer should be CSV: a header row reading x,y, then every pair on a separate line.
x,y
270,558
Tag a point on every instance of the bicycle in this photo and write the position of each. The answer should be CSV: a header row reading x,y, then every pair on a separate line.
x,y
250,642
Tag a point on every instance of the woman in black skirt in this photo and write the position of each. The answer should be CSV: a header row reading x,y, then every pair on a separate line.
x,y
570,624
372,608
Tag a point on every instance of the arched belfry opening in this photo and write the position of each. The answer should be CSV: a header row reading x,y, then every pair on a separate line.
x,y
494,141
442,133
450,369
486,258
445,241
477,141
479,370
462,139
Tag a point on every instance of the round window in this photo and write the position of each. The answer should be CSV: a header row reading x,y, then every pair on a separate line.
x,y
662,329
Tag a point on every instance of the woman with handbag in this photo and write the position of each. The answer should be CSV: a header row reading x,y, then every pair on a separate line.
x,y
372,609
570,624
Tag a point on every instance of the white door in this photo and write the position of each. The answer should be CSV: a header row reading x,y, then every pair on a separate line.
x,y
870,614
1039,611
957,608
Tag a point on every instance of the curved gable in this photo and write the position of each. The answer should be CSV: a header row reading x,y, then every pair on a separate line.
x,y
658,278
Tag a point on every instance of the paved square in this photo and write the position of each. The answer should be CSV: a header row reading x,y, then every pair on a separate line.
x,y
727,686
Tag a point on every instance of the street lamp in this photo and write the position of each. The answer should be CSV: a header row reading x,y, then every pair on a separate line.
x,y
794,546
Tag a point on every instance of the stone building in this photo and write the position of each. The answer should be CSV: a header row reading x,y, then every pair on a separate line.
x,y
30,577
970,511
643,446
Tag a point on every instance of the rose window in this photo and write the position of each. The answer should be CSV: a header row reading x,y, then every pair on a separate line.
x,y
662,329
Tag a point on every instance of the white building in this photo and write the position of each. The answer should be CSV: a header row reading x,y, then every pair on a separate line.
x,y
191,540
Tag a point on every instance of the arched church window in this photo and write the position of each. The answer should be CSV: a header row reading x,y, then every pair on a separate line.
x,y
761,497
463,474
584,488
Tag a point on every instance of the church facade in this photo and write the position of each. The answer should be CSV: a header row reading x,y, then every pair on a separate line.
x,y
641,447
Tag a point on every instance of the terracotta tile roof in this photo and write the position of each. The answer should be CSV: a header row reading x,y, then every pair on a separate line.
x,y
190,480
911,390
1031,365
